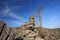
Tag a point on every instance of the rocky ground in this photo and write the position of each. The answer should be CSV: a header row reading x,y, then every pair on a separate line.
x,y
28,31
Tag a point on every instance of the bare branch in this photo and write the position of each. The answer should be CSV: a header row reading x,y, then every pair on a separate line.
x,y
37,14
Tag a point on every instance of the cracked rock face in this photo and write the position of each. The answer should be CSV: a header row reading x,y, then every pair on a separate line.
x,y
1,26
5,32
28,35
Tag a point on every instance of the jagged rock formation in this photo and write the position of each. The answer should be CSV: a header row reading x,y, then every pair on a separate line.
x,y
29,24
28,31
5,32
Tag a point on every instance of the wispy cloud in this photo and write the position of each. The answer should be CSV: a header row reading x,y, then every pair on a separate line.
x,y
7,12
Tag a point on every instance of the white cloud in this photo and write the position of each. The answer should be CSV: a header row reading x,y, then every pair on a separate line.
x,y
14,16
7,12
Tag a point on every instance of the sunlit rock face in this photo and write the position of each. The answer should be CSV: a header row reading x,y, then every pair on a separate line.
x,y
28,31
5,32
2,24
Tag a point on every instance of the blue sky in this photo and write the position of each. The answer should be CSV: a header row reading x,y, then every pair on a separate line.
x,y
16,12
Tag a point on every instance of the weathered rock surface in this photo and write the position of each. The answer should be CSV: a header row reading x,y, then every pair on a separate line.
x,y
5,32
28,31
